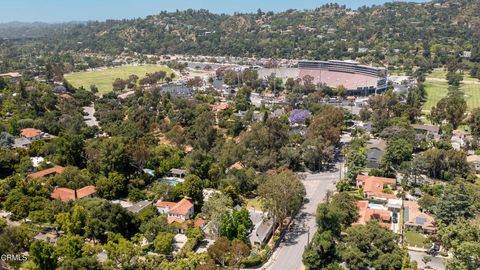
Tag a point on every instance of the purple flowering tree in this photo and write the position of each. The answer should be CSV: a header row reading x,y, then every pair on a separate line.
x,y
298,116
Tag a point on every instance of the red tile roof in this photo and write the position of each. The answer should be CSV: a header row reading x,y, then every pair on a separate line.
x,y
63,194
30,132
366,214
54,170
163,204
66,194
171,220
219,107
86,191
182,207
373,186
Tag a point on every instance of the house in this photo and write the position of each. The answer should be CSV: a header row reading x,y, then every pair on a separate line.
x,y
219,107
21,143
31,134
66,194
458,140
417,220
430,131
374,187
139,206
262,230
176,212
179,173
367,213
475,161
375,152
50,171
14,77
177,90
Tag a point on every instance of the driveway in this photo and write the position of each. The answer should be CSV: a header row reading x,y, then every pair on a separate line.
x,y
435,263
288,256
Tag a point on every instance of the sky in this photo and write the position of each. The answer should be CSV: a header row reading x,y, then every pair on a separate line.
x,y
86,10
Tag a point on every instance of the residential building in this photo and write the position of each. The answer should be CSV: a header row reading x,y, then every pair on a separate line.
x,y
176,212
376,187
179,173
31,134
47,172
367,213
375,152
475,161
139,206
262,230
66,194
430,131
417,220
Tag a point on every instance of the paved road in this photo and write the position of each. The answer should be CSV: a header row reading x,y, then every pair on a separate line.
x,y
289,255
436,262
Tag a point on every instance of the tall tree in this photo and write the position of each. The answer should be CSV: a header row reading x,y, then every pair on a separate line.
x,y
282,194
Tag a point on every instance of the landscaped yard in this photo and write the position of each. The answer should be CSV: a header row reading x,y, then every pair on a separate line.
x,y
104,78
416,239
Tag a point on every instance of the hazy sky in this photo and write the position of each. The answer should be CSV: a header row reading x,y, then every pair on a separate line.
x,y
83,10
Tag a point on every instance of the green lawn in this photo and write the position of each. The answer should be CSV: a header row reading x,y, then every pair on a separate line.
x,y
416,239
103,79
440,73
436,90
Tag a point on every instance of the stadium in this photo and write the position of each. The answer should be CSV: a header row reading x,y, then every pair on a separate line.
x,y
359,80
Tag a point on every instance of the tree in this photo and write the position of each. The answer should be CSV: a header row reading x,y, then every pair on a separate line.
x,y
225,252
104,216
219,251
236,225
70,149
215,209
336,214
111,155
193,188
83,263
163,243
43,255
451,108
397,151
154,226
371,245
202,133
111,187
6,140
281,194
455,202
321,252
75,222
474,122
238,251
122,252
70,246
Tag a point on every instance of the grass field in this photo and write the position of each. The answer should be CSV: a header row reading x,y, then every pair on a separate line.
x,y
437,88
104,78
